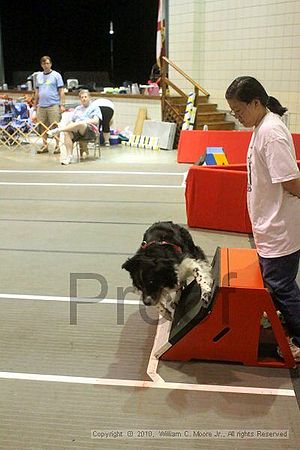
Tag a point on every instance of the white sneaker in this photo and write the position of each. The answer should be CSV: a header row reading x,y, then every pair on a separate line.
x,y
107,144
53,132
68,159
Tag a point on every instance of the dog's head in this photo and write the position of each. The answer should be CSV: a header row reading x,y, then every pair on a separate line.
x,y
151,274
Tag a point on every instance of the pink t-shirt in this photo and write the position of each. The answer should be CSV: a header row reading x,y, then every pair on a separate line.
x,y
274,212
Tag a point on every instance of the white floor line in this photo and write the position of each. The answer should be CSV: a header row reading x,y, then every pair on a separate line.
x,y
158,382
159,340
184,177
77,172
147,384
53,298
154,186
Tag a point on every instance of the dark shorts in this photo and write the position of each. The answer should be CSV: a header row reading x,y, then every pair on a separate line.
x,y
280,275
89,135
107,114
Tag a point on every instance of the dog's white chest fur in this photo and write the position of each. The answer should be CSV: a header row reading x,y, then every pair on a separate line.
x,y
200,270
188,268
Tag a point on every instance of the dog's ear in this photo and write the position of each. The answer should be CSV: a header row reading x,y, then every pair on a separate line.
x,y
131,264
128,265
137,262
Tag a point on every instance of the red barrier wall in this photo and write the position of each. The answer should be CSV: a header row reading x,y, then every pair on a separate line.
x,y
193,143
216,198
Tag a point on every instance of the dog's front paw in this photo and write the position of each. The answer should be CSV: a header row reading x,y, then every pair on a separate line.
x,y
197,275
173,303
204,280
205,297
164,312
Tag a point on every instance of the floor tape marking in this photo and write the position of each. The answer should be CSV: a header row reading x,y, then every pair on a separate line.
x,y
146,384
153,186
67,299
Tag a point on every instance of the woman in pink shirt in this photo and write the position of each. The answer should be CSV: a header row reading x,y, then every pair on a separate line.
x,y
273,196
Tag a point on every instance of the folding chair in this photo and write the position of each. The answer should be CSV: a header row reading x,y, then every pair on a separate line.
x,y
87,146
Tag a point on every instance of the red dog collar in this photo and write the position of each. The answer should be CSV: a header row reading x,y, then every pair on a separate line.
x,y
147,244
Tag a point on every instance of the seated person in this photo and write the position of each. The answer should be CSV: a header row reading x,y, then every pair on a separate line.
x,y
107,111
84,125
154,80
155,75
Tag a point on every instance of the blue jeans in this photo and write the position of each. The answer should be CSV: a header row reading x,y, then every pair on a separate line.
x,y
279,275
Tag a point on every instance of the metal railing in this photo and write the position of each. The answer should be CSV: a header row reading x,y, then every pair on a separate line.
x,y
168,109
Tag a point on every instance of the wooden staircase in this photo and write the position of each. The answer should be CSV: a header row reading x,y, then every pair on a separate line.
x,y
207,113
173,106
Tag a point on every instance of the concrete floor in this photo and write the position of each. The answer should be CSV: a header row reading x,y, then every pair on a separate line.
x,y
60,380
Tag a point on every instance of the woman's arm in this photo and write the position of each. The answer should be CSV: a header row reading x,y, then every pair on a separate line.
x,y
292,186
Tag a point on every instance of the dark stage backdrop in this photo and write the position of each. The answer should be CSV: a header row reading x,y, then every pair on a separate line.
x,y
76,36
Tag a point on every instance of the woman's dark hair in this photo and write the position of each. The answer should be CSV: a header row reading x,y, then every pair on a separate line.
x,y
155,73
246,89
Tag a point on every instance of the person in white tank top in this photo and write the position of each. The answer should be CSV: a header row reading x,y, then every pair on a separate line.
x,y
107,109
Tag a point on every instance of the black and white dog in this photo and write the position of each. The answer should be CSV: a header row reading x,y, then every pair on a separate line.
x,y
166,259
